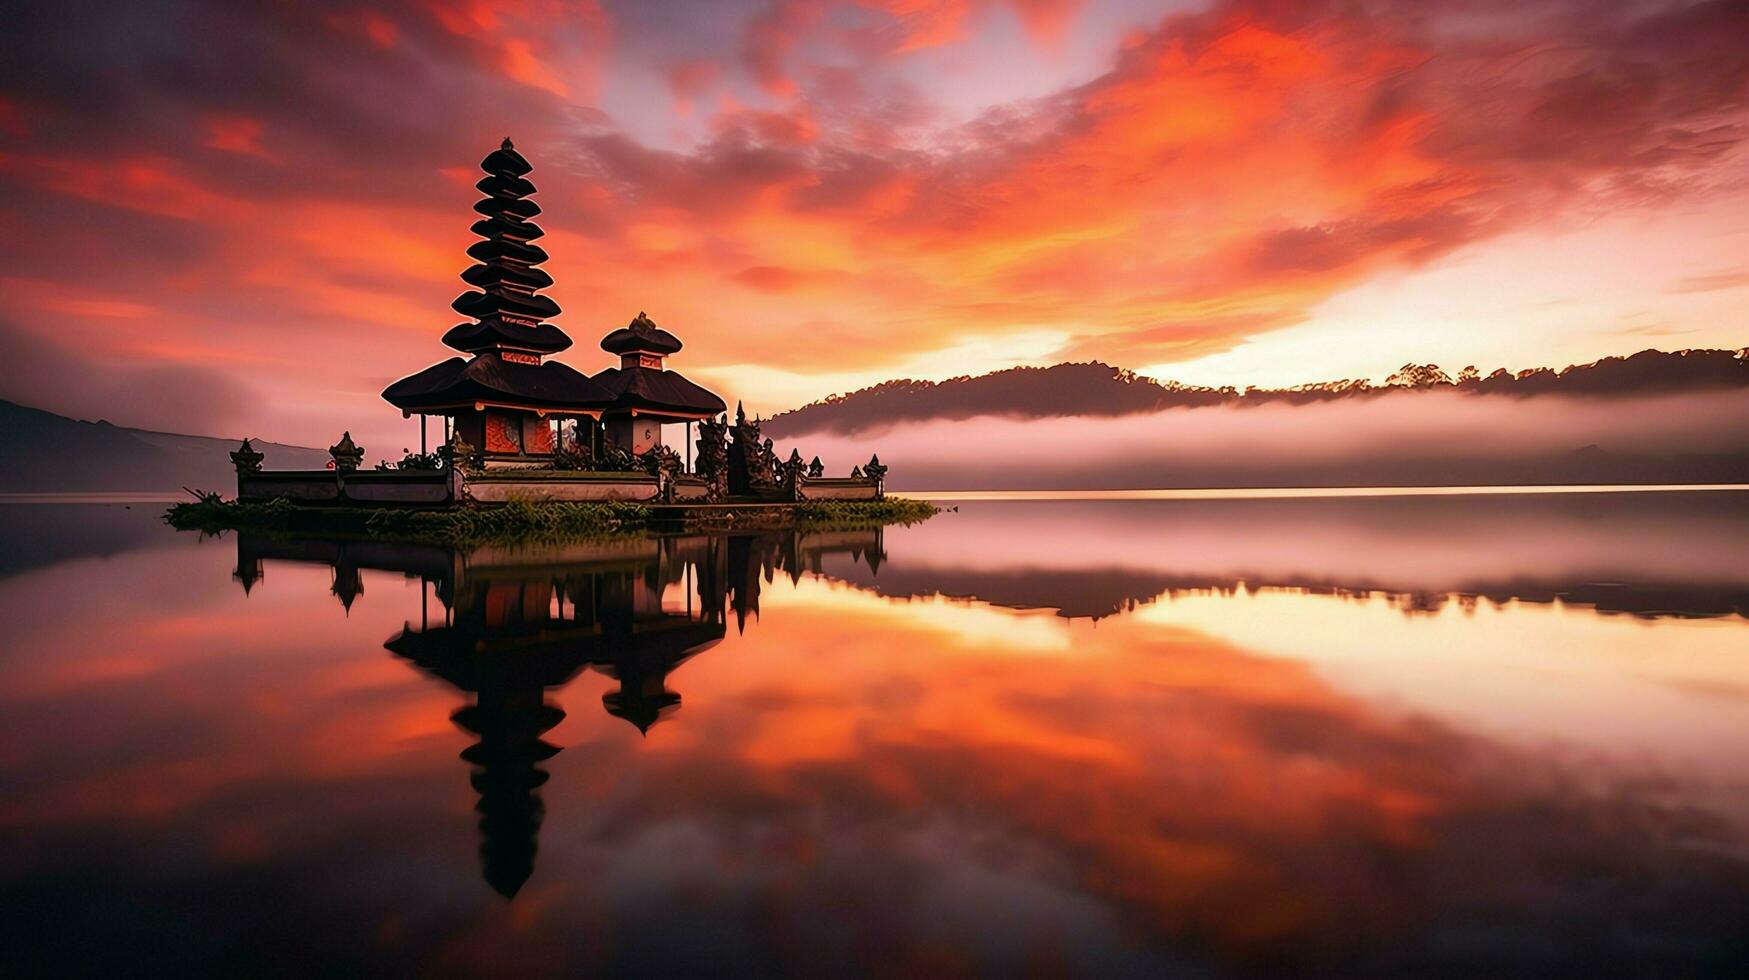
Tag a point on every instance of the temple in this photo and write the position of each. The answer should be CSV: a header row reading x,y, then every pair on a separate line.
x,y
518,424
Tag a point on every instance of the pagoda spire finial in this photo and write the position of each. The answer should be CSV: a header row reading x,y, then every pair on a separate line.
x,y
506,145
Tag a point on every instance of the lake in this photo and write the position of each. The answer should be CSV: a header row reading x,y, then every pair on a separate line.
x,y
1460,735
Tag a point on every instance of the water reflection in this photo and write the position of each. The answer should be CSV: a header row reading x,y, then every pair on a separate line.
x,y
983,745
517,622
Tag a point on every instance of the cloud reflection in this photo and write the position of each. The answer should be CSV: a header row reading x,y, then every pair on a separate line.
x,y
853,782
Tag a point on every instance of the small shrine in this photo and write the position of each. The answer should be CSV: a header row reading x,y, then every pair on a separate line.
x,y
646,395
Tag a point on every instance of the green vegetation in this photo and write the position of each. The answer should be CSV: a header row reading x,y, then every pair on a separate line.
x,y
521,520
518,520
825,514
508,523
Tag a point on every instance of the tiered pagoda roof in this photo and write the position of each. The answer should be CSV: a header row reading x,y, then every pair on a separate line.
x,y
641,336
507,311
507,338
653,391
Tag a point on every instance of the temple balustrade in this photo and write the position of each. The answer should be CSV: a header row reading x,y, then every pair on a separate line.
x,y
345,485
370,487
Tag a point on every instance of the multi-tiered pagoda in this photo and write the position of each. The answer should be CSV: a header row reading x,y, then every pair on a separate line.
x,y
505,395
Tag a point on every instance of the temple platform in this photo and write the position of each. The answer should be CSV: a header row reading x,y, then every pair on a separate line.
x,y
522,523
446,487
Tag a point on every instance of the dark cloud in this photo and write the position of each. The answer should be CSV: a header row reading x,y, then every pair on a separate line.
x,y
1177,341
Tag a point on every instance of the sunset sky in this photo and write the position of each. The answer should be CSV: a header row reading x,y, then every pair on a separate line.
x,y
249,217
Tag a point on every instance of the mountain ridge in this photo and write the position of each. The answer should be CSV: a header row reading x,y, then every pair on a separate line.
x,y
50,452
1097,389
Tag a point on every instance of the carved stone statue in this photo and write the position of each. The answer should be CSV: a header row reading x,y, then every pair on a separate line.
x,y
347,454
770,474
663,463
614,458
246,459
713,457
460,454
876,471
743,434
792,475
752,464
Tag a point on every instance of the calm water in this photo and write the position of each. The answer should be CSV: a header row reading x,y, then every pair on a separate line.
x,y
1464,736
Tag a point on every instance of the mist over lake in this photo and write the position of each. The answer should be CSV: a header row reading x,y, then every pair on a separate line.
x,y
1416,438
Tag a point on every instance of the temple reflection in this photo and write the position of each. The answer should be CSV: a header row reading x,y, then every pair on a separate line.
x,y
512,625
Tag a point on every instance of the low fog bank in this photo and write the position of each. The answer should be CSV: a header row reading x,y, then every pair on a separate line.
x,y
1415,438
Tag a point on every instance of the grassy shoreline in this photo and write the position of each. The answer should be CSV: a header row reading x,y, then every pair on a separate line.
x,y
523,521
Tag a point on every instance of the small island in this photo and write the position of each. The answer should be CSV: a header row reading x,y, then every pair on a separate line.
x,y
532,447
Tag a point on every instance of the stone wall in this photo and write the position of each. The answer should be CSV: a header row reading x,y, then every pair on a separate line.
x,y
839,488
410,487
504,485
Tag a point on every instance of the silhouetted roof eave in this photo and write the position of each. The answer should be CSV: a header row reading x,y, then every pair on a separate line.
x,y
503,248
653,392
654,340
482,306
506,161
542,338
502,185
498,275
548,386
496,227
503,207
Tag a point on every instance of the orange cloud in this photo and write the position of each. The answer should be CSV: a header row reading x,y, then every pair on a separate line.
x,y
549,46
468,19
690,80
920,24
380,30
768,38
521,64
1047,20
151,185
236,134
1225,173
